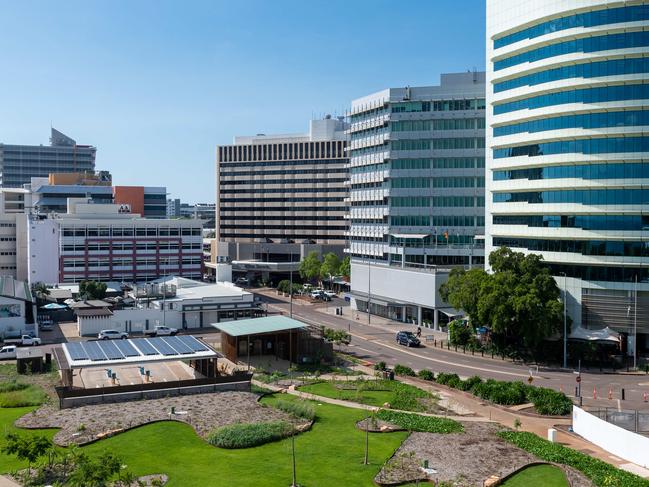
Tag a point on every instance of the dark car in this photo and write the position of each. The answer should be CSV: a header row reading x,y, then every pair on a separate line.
x,y
408,339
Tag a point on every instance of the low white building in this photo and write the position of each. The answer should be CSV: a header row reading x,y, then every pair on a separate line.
x,y
17,308
186,304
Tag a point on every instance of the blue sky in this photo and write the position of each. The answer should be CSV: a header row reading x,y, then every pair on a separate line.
x,y
156,85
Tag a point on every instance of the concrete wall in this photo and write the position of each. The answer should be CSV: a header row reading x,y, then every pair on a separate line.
x,y
131,320
618,441
43,253
397,284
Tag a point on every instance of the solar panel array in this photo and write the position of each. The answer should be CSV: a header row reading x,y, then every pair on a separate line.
x,y
105,350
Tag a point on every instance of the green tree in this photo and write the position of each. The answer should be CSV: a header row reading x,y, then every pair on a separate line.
x,y
29,448
345,267
310,267
338,337
92,290
40,289
330,265
95,471
463,289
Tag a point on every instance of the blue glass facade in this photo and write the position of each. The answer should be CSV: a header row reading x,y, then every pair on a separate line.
x,y
627,223
586,44
585,19
583,95
578,196
579,146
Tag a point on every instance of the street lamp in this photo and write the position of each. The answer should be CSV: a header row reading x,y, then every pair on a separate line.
x,y
565,322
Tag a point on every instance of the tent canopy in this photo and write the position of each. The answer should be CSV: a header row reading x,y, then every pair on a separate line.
x,y
602,335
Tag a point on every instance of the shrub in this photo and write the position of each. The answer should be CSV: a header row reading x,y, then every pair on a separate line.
x,y
380,366
459,332
470,383
415,422
549,401
299,409
426,374
12,385
249,435
20,395
601,473
407,398
404,370
500,392
451,380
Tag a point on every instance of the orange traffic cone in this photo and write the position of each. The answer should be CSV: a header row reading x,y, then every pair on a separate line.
x,y
610,393
595,392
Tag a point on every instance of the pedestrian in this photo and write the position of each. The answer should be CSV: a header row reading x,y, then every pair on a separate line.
x,y
419,332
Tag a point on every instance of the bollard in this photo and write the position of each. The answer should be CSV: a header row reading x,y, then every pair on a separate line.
x,y
610,393
644,397
623,393
595,392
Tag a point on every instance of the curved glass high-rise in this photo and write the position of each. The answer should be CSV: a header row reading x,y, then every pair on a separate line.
x,y
568,150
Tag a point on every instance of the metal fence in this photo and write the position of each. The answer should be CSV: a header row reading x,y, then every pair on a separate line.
x,y
629,419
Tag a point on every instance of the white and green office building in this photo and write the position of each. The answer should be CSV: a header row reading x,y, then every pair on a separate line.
x,y
416,202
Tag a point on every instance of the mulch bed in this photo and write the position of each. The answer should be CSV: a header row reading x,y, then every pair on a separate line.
x,y
204,412
466,459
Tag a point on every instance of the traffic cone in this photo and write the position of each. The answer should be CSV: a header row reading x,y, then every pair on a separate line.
x,y
595,392
610,393
644,396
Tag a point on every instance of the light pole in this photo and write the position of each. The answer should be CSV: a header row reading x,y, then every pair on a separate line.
x,y
369,293
294,484
635,324
565,322
290,306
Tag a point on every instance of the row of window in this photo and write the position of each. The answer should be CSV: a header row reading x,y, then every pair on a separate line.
x,y
437,124
410,201
584,44
128,246
383,166
294,236
584,95
602,273
226,166
583,70
130,231
80,264
585,121
617,248
439,163
374,112
281,172
458,201
283,200
438,221
262,227
438,144
581,171
585,222
579,146
579,196
583,19
439,105
285,217
318,189
282,151
410,183
233,212
458,182
258,181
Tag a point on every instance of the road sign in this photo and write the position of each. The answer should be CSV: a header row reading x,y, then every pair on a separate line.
x,y
578,379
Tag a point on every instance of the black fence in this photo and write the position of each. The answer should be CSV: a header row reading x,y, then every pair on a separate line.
x,y
629,419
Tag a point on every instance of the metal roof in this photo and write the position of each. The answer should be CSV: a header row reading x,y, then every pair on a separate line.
x,y
257,326
135,351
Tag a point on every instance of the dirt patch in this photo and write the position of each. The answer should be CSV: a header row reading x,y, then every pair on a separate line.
x,y
466,459
203,412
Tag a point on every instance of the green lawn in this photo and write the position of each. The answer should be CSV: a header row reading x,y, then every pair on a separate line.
x,y
330,454
373,393
538,476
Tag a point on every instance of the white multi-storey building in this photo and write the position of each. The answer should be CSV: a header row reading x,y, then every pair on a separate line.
x,y
568,152
98,242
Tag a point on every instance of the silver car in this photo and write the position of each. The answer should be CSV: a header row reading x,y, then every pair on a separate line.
x,y
112,335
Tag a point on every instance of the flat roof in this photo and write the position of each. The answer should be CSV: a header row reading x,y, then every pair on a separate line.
x,y
257,326
104,353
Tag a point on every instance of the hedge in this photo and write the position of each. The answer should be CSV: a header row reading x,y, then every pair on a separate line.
x,y
426,375
415,422
601,473
546,401
404,370
299,409
248,435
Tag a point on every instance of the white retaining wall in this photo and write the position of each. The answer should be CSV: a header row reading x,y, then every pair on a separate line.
x,y
618,441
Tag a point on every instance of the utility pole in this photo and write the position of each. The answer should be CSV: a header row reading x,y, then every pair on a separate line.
x,y
565,323
290,306
369,293
635,324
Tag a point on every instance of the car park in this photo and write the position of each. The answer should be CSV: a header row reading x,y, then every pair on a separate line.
x,y
408,339
112,335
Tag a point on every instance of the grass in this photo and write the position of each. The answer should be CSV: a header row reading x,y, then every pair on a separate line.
x,y
373,393
25,395
538,476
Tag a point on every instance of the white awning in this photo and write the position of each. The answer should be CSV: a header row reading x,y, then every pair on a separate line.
x,y
602,335
418,236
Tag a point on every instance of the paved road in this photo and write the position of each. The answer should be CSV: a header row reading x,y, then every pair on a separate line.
x,y
376,343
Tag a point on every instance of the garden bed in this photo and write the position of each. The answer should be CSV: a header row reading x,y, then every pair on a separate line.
x,y
204,412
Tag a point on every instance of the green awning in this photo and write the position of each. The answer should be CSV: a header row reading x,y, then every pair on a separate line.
x,y
258,326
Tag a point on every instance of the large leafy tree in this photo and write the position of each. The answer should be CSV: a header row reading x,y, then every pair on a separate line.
x,y
345,267
519,300
310,267
92,290
330,265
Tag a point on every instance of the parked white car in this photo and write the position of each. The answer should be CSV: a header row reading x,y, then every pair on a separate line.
x,y
7,352
162,331
331,294
25,340
112,335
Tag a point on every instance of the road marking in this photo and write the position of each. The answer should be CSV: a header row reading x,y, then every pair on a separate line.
x,y
445,362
